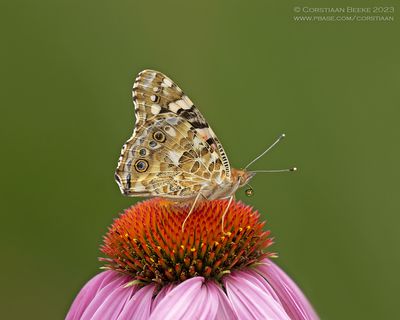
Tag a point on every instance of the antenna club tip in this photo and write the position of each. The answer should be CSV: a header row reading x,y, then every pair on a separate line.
x,y
293,169
283,135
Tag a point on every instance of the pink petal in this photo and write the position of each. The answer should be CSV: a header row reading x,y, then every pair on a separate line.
x,y
138,307
160,296
255,277
192,299
291,297
101,299
113,305
89,291
250,300
225,309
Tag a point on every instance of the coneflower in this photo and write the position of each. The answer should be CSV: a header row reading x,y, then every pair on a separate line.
x,y
157,271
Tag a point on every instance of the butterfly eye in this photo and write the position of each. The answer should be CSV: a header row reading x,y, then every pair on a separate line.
x,y
249,192
141,165
159,136
143,152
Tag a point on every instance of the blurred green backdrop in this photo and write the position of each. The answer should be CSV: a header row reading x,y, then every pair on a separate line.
x,y
67,68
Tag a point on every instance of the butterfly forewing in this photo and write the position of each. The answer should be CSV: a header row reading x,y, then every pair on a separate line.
x,y
173,152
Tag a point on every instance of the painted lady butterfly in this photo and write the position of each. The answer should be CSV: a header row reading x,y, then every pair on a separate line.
x,y
173,152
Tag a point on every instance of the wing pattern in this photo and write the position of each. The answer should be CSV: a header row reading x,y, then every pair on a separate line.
x,y
173,152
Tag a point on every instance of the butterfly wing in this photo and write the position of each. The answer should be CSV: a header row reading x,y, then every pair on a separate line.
x,y
154,93
173,152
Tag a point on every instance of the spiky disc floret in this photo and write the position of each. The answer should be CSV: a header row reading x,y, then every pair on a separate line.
x,y
147,241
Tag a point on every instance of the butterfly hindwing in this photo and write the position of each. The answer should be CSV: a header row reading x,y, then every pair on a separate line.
x,y
166,157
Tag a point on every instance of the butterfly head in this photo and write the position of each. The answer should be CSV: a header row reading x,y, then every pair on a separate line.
x,y
241,177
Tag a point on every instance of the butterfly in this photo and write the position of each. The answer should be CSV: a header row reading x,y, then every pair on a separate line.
x,y
173,152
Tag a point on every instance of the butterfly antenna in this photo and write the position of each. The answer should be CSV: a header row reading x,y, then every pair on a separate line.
x,y
269,148
276,170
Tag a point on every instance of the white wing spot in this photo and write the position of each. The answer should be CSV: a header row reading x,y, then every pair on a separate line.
x,y
155,109
174,156
197,143
153,98
167,82
173,107
187,100
182,104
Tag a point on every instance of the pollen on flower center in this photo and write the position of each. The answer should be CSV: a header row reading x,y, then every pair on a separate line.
x,y
147,241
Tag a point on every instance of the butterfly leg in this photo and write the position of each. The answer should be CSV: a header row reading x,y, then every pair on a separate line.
x,y
191,210
225,212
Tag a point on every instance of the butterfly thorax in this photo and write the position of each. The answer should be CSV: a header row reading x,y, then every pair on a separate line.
x,y
228,187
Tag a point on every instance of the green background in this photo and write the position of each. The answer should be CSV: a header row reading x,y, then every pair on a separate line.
x,y
67,68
